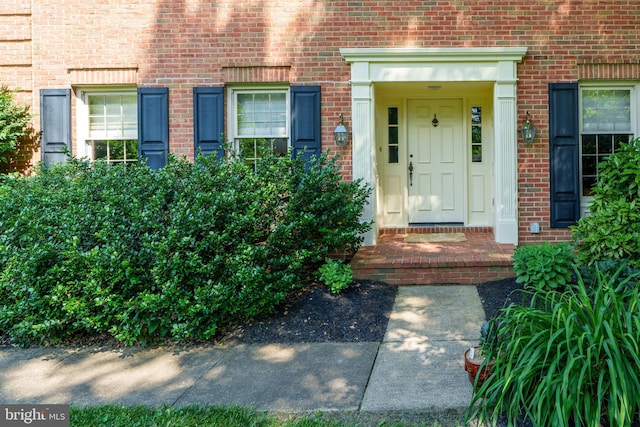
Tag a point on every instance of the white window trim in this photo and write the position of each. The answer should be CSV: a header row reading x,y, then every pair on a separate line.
x,y
232,102
634,89
82,113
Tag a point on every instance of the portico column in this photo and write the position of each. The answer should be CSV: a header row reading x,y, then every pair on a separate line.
x,y
363,145
506,161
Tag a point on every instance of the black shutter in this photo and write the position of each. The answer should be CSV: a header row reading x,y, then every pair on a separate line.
x,y
564,154
55,125
305,121
208,120
153,126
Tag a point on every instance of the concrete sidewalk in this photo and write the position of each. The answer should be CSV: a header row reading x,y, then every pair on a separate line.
x,y
418,367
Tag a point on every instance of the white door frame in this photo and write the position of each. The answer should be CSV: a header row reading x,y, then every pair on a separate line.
x,y
498,65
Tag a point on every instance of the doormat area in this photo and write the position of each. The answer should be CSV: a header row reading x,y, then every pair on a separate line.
x,y
435,238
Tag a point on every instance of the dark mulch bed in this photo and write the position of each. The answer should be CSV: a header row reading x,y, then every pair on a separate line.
x,y
500,293
359,314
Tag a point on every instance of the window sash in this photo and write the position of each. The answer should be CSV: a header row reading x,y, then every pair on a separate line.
x,y
112,116
260,119
606,121
606,110
107,124
114,151
261,115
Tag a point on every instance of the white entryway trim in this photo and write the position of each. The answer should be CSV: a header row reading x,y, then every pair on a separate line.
x,y
498,65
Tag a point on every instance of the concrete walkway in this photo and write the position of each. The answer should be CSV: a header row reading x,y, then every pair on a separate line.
x,y
418,367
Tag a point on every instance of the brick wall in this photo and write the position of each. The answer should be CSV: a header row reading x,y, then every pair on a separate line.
x,y
183,43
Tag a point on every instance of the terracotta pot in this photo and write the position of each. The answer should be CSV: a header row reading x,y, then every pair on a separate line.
x,y
472,366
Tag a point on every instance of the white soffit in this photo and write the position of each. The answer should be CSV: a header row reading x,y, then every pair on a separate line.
x,y
433,64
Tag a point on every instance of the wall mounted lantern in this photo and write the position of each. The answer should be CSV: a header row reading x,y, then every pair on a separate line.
x,y
528,130
341,133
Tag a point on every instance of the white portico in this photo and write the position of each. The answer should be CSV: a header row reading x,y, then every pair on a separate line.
x,y
435,134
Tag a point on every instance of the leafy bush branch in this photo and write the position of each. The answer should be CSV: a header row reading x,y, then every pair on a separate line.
x,y
180,253
15,125
567,358
612,228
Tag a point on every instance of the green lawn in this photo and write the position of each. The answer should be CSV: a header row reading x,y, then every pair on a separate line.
x,y
192,416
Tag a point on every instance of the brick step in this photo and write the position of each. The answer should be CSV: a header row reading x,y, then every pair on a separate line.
x,y
433,274
476,260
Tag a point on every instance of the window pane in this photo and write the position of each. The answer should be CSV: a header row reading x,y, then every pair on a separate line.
x,y
278,102
114,127
588,182
245,104
476,115
116,150
99,150
476,153
96,105
393,154
588,144
113,106
262,128
279,124
605,144
622,120
393,116
393,136
589,165
129,103
130,130
280,147
245,126
618,140
261,103
247,148
476,135
97,127
279,129
262,148
132,149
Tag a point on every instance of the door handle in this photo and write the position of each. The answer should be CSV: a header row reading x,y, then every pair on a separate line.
x,y
411,174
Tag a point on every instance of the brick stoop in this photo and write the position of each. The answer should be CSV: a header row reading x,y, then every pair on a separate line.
x,y
477,260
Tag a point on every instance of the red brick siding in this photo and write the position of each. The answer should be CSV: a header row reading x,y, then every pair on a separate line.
x,y
181,44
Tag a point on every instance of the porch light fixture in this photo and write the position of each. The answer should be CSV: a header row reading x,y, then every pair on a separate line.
x,y
528,130
341,133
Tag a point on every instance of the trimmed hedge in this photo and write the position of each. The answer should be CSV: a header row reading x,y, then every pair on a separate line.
x,y
178,253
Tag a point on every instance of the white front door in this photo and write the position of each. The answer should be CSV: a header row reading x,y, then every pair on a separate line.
x,y
435,161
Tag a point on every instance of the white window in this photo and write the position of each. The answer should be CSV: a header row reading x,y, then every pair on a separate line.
x,y
259,122
108,125
607,120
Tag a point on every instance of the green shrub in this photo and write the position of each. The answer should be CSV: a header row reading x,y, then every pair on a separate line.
x,y
336,274
180,252
14,124
612,228
545,266
568,358
614,268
